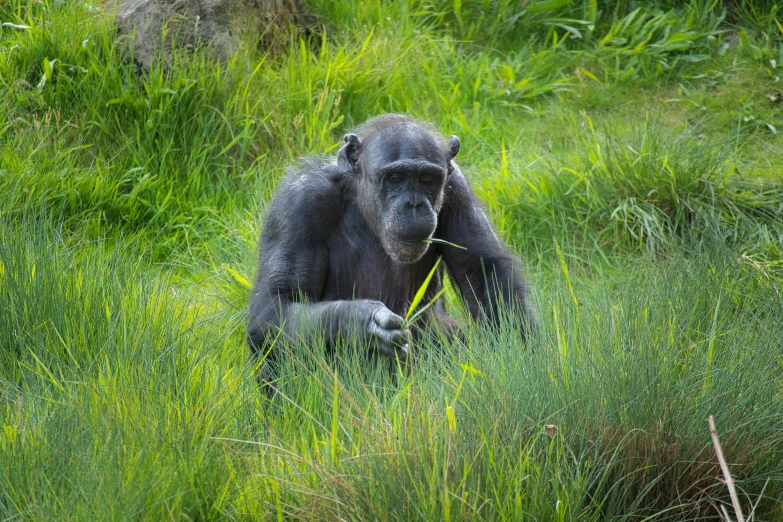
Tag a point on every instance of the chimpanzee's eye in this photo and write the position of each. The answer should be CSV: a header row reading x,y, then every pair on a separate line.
x,y
428,180
396,177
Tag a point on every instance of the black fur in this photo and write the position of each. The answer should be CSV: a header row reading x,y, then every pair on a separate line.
x,y
342,247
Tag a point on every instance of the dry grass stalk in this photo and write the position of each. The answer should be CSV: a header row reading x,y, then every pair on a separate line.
x,y
726,474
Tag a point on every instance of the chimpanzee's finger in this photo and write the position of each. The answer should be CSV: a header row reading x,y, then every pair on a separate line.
x,y
403,352
387,319
398,338
399,344
390,343
393,337
396,352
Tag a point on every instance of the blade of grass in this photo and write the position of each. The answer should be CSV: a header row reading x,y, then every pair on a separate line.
x,y
422,289
444,242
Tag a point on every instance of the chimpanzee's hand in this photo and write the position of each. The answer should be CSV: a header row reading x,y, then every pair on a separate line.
x,y
385,330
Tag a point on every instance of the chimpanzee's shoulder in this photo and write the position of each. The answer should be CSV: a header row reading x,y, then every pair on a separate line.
x,y
312,193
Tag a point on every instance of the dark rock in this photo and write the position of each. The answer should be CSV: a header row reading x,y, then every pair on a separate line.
x,y
155,26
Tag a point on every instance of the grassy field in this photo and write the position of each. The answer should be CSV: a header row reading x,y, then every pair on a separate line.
x,y
630,152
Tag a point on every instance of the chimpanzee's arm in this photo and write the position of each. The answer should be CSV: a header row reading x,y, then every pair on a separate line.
x,y
487,274
292,271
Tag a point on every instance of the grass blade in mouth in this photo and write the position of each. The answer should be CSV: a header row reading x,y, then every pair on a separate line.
x,y
444,242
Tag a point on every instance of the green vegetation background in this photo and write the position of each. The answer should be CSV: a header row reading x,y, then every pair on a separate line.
x,y
630,152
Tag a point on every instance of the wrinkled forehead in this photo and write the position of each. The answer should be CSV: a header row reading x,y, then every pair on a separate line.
x,y
400,143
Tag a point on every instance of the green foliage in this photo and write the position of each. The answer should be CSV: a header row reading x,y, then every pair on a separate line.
x,y
652,42
652,188
759,16
628,151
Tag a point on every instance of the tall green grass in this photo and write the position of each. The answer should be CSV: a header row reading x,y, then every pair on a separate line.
x,y
653,188
128,397
629,153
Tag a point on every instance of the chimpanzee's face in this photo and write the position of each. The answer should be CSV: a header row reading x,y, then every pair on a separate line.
x,y
404,170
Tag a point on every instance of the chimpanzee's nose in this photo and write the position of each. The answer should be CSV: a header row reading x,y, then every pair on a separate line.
x,y
414,201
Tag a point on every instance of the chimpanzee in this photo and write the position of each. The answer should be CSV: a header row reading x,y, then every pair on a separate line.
x,y
345,245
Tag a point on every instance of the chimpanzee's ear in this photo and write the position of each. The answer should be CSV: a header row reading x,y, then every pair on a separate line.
x,y
453,151
348,157
453,147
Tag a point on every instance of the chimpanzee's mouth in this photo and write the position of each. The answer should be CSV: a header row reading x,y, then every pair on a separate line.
x,y
405,250
411,242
